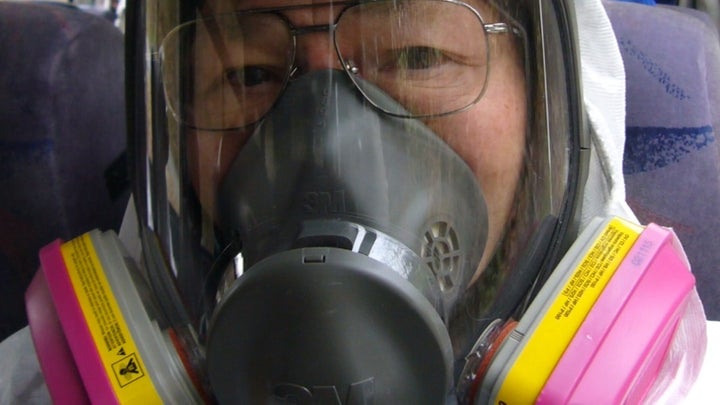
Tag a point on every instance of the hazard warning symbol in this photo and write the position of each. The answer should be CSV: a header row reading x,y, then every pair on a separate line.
x,y
127,370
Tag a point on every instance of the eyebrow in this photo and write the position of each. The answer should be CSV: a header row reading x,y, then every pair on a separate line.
x,y
294,6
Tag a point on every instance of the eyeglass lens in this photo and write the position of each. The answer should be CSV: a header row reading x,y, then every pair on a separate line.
x,y
227,71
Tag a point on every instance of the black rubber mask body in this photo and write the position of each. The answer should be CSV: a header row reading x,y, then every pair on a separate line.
x,y
359,233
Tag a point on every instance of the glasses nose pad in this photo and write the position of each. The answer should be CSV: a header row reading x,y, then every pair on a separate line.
x,y
351,67
294,72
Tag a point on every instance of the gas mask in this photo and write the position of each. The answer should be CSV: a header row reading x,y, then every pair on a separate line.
x,y
356,246
319,230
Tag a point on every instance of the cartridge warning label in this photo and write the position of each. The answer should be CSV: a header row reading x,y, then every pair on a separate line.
x,y
103,314
127,370
596,269
116,349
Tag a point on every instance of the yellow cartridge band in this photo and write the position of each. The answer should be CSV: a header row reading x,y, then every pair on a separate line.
x,y
546,344
118,353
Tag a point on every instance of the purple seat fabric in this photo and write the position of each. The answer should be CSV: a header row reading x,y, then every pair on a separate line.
x,y
62,127
672,156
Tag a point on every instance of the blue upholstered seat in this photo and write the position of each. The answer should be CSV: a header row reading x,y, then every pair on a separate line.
x,y
62,127
672,155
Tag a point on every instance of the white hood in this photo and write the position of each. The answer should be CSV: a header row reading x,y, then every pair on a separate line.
x,y
603,77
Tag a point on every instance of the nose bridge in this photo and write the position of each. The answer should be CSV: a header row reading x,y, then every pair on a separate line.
x,y
314,30
315,49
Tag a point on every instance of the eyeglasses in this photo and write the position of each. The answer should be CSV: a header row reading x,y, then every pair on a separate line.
x,y
431,58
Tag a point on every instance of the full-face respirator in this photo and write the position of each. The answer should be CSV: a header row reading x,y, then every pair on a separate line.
x,y
337,255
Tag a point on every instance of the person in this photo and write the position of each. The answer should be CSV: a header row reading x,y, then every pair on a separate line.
x,y
333,190
111,13
249,92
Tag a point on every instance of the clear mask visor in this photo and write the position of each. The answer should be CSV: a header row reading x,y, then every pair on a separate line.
x,y
406,145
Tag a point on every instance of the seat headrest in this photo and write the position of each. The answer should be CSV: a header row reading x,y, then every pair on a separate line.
x,y
672,160
62,125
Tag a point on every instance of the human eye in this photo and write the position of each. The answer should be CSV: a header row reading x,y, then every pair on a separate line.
x,y
416,58
251,76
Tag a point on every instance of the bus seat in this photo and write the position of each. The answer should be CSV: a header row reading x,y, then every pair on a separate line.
x,y
672,156
62,137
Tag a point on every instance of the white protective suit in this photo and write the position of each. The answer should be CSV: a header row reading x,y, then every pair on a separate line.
x,y
604,97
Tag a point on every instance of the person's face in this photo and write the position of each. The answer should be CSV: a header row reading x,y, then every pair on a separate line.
x,y
489,136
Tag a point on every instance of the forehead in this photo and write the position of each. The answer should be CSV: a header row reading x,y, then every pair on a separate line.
x,y
246,4
253,4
